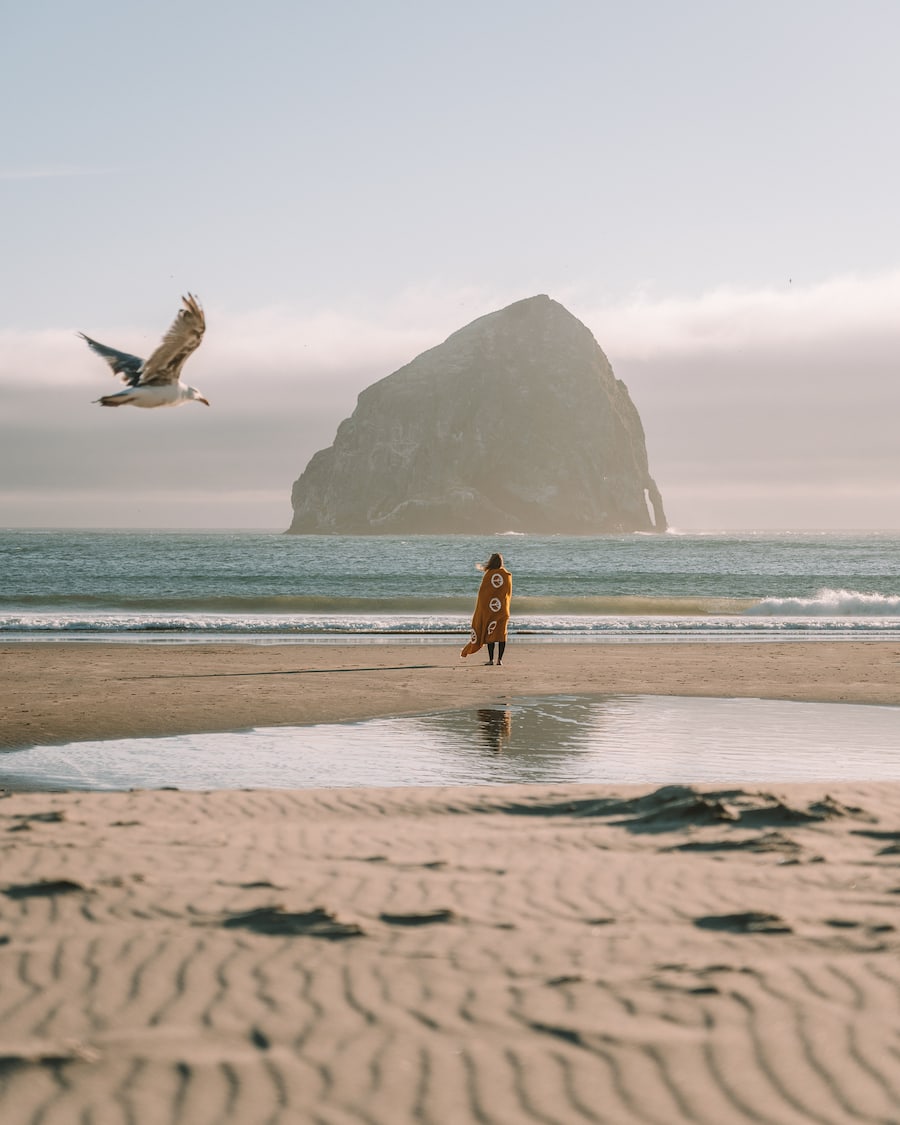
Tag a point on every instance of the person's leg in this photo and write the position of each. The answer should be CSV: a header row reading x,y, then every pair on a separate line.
x,y
501,648
490,652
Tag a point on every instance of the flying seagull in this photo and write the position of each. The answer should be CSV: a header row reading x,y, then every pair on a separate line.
x,y
156,381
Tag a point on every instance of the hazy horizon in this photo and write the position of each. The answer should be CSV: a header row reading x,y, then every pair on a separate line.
x,y
711,190
762,532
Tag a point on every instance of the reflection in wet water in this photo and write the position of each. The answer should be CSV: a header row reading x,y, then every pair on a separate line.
x,y
494,726
555,739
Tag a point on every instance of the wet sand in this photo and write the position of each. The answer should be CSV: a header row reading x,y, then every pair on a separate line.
x,y
51,693
505,955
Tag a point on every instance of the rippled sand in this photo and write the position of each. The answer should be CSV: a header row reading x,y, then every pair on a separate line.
x,y
523,954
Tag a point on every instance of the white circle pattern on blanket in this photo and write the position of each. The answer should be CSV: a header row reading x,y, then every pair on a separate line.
x,y
496,581
492,625
495,604
474,636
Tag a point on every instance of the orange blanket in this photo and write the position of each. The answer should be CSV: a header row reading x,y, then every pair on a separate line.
x,y
491,610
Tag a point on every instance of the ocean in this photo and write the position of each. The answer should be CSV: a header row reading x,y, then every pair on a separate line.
x,y
267,587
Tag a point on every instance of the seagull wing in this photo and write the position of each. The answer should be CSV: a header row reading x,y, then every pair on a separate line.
x,y
165,364
125,365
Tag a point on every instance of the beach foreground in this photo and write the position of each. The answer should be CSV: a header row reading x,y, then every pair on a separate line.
x,y
524,954
504,955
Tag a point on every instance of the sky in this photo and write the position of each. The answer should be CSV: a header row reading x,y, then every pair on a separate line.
x,y
711,186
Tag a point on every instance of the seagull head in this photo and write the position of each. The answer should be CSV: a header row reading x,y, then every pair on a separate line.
x,y
193,393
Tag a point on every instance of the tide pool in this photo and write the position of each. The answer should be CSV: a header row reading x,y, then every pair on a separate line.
x,y
555,739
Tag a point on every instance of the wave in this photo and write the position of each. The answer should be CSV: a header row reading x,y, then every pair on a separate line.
x,y
145,626
236,603
288,604
829,612
211,624
829,603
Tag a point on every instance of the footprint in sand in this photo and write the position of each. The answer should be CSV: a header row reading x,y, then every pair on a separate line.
x,y
277,922
43,889
747,922
426,919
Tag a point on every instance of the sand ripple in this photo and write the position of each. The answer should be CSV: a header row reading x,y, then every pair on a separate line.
x,y
506,956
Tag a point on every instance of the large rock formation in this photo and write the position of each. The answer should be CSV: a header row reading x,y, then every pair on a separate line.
x,y
515,423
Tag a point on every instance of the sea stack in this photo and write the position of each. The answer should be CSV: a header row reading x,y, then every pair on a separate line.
x,y
515,423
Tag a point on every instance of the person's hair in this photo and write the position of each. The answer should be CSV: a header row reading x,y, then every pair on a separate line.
x,y
494,562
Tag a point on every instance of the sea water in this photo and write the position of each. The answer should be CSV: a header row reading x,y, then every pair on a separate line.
x,y
259,586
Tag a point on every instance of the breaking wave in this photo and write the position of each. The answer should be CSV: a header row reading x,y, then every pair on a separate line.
x,y
828,613
829,603
371,626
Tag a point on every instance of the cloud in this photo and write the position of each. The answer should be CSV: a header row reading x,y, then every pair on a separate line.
x,y
790,506
727,320
316,356
371,340
146,507
52,357
276,342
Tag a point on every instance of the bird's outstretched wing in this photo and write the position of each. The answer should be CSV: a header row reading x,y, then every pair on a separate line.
x,y
125,365
165,364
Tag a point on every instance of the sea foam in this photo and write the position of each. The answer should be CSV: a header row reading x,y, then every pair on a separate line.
x,y
829,603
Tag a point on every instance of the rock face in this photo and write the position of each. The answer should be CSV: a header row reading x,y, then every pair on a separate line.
x,y
514,423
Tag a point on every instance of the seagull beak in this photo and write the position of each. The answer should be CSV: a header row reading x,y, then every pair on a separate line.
x,y
204,401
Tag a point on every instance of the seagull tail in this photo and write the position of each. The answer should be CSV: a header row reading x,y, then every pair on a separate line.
x,y
113,400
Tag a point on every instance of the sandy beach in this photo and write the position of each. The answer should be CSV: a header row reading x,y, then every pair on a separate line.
x,y
503,955
59,692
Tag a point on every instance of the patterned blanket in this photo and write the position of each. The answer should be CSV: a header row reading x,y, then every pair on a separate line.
x,y
491,610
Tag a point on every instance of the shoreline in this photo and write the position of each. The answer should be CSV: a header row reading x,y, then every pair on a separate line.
x,y
444,636
70,691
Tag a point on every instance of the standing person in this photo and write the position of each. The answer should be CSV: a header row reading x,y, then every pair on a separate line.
x,y
491,610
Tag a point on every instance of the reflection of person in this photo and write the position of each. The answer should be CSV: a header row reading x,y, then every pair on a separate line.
x,y
491,610
495,727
